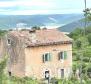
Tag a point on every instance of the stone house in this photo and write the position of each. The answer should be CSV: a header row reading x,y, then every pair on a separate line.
x,y
39,53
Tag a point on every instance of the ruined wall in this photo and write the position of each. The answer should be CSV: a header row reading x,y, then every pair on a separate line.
x,y
16,62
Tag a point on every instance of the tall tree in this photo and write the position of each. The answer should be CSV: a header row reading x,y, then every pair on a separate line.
x,y
36,28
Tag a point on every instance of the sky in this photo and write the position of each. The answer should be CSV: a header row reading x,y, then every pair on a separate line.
x,y
31,7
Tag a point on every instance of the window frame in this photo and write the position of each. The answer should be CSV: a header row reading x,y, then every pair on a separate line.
x,y
62,55
62,74
9,41
47,57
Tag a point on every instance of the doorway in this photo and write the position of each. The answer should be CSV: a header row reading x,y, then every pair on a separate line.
x,y
47,74
62,73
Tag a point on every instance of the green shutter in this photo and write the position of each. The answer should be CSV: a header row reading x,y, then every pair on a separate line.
x,y
50,56
65,54
43,58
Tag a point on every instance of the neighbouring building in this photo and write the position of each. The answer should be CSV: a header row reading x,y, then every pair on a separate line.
x,y
2,47
39,53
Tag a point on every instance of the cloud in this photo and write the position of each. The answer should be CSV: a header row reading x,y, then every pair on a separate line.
x,y
7,4
53,19
41,6
32,5
24,3
32,12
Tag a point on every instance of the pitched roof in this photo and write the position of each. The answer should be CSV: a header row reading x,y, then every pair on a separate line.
x,y
42,37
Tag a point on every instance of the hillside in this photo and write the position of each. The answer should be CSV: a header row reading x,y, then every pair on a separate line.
x,y
10,21
73,25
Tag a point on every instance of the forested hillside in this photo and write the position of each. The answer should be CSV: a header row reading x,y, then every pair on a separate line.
x,y
73,25
82,50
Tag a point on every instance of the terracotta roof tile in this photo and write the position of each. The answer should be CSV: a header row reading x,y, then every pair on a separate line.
x,y
41,37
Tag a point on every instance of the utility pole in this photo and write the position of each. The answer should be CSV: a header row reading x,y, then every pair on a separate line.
x,y
85,14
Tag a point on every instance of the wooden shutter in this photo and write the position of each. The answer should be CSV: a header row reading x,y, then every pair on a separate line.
x,y
59,55
43,58
50,56
65,54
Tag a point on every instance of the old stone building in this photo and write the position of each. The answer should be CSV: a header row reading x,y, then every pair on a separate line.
x,y
39,53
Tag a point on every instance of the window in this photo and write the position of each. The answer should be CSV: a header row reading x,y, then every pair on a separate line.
x,y
9,73
62,55
9,41
46,57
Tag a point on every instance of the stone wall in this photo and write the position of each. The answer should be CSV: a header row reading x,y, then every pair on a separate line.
x,y
3,50
16,64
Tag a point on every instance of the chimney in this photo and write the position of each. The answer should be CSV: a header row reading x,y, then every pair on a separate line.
x,y
32,34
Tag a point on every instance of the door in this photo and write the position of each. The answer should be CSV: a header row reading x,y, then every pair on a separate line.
x,y
47,74
62,73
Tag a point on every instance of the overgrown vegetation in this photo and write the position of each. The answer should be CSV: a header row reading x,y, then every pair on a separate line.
x,y
82,51
2,32
6,79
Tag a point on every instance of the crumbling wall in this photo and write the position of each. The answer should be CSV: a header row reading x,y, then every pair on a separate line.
x,y
16,56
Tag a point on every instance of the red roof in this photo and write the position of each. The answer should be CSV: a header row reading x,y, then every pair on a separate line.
x,y
42,37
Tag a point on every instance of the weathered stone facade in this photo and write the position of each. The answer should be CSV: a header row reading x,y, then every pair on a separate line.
x,y
34,65
17,56
26,49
